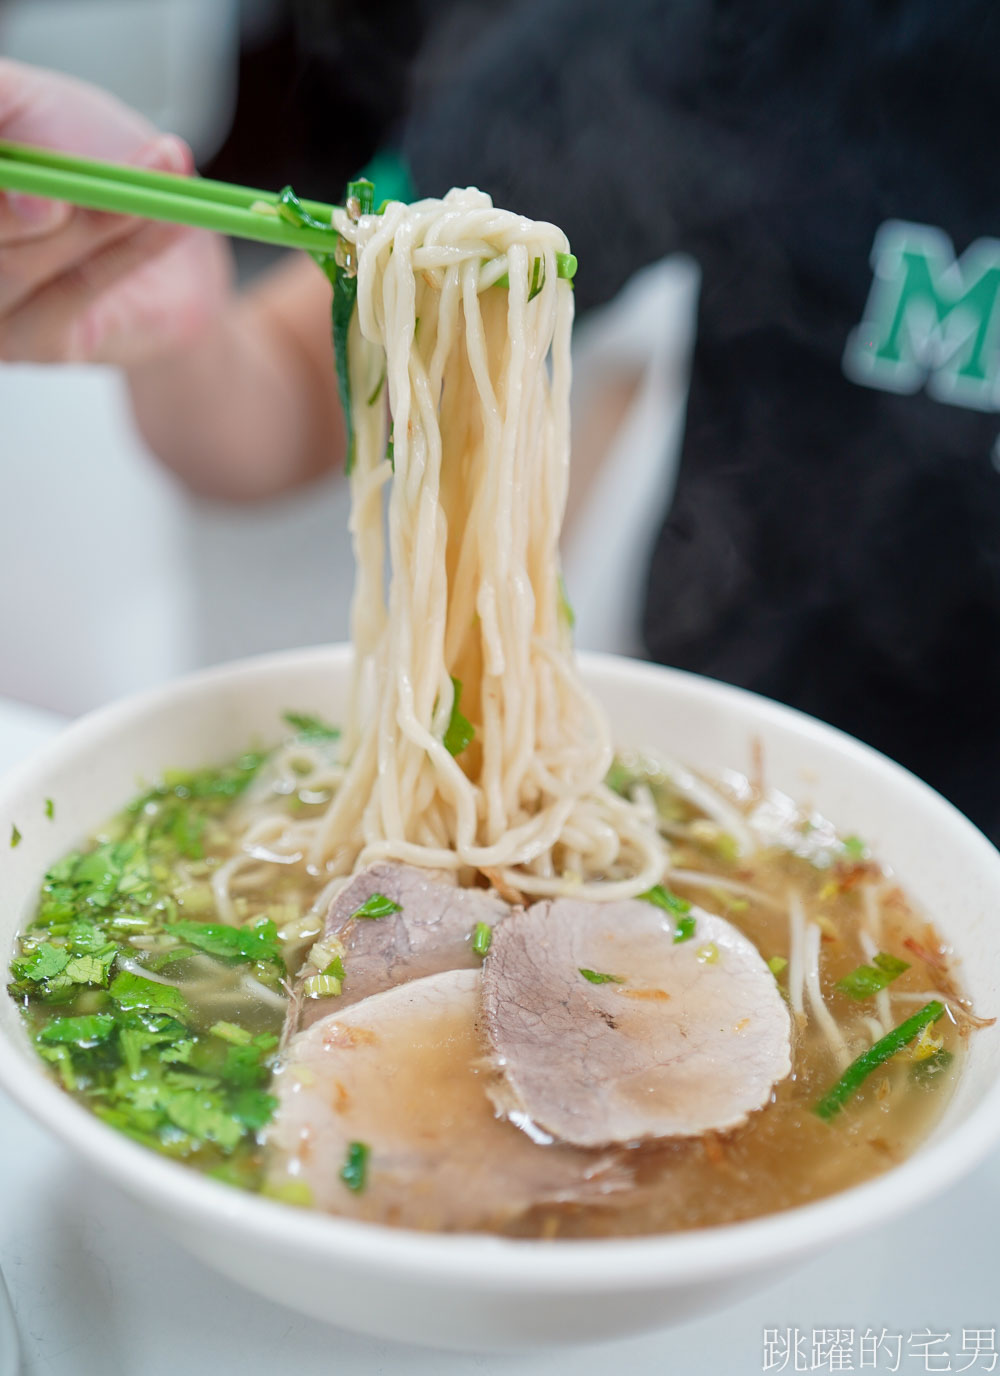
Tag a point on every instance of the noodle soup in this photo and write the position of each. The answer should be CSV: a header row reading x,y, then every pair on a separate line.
x,y
167,1023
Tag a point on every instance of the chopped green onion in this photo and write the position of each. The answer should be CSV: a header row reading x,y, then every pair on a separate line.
x,y
854,847
482,935
460,731
669,902
321,987
378,905
868,980
620,779
15,836
776,964
684,930
355,1169
858,1071
596,977
708,954
50,808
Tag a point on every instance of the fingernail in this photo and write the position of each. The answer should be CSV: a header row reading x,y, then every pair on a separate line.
x,y
166,153
35,211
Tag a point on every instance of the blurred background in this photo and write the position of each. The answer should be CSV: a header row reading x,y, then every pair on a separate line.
x,y
111,576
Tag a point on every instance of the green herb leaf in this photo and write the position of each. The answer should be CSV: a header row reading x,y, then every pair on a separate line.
x,y
335,969
596,977
868,980
378,905
200,1113
44,962
669,902
50,809
254,1108
858,1071
15,836
460,732
259,941
355,1168
854,847
311,728
482,936
132,991
84,1032
91,969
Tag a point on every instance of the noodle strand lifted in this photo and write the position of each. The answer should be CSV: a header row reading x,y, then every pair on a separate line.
x,y
476,470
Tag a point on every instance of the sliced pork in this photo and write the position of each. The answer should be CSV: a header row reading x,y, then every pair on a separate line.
x,y
400,1073
607,1029
432,931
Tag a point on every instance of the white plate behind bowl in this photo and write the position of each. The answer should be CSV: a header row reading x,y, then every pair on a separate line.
x,y
480,1292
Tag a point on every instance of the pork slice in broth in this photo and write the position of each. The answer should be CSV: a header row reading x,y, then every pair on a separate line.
x,y
431,932
605,1029
401,1072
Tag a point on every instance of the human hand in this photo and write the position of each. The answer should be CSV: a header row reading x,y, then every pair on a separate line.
x,y
85,286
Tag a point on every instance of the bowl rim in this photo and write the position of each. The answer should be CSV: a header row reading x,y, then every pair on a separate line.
x,y
477,1261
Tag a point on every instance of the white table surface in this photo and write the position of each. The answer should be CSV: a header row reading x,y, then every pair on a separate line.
x,y
98,1292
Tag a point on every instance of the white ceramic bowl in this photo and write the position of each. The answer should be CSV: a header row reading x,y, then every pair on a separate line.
x,y
466,1290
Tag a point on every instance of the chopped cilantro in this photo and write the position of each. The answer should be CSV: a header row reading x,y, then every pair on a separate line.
x,y
355,1168
311,728
378,905
85,1031
460,732
258,941
597,977
45,961
124,1043
669,902
131,991
482,936
868,980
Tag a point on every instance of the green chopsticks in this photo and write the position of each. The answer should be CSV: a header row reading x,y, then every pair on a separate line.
x,y
241,211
